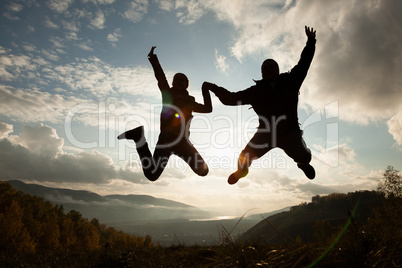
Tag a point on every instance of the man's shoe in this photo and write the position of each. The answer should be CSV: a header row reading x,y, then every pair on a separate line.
x,y
136,134
308,170
236,176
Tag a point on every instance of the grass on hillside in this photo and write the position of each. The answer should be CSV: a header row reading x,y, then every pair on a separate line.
x,y
351,245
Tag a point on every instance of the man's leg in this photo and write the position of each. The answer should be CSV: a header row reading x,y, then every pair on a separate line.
x,y
256,147
135,134
154,165
294,146
186,151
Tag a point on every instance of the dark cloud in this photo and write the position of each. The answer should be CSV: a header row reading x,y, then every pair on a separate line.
x,y
358,61
316,189
36,154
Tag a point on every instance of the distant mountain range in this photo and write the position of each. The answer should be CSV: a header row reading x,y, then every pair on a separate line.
x,y
113,208
165,220
170,222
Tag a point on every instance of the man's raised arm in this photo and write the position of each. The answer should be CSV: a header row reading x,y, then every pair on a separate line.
x,y
158,71
300,70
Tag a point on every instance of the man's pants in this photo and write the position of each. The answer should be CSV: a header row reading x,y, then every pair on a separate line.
x,y
153,165
262,142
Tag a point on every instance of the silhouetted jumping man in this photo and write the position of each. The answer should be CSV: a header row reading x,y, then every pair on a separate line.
x,y
175,119
274,99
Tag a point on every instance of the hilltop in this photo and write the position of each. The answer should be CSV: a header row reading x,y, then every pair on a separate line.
x,y
299,222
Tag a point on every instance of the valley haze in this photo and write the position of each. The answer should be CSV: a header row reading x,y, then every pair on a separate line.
x,y
167,221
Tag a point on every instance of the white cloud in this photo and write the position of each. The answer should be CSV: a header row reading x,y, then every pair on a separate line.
x,y
189,11
5,75
15,60
98,21
353,182
90,76
114,37
97,77
59,6
85,45
30,29
50,55
167,5
105,1
34,105
335,155
136,10
50,24
102,2
71,36
221,63
9,16
395,127
345,152
135,81
40,139
29,47
15,7
80,13
11,66
11,9
70,25
57,41
5,129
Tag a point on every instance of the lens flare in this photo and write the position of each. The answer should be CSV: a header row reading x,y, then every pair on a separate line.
x,y
339,237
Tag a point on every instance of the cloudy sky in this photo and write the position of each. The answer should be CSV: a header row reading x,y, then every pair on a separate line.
x,y
74,74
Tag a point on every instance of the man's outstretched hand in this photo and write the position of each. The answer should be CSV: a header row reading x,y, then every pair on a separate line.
x,y
151,52
310,33
207,86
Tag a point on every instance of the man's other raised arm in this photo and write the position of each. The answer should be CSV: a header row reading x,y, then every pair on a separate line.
x,y
158,71
300,70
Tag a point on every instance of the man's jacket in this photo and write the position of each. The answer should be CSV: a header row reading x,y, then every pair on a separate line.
x,y
276,105
177,107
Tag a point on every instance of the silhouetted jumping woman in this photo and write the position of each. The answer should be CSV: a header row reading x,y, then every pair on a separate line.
x,y
274,99
175,119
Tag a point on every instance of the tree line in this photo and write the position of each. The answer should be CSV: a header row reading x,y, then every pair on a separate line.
x,y
30,224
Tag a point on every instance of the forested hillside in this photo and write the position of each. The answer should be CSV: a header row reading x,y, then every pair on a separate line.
x,y
335,209
30,224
